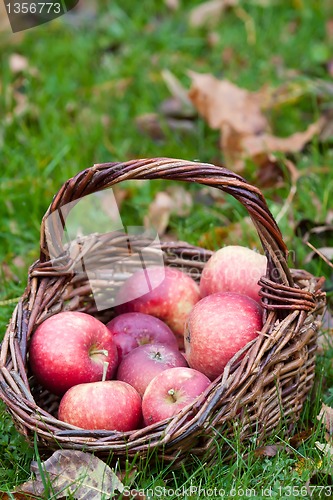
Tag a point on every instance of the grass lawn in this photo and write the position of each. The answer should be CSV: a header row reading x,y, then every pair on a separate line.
x,y
80,99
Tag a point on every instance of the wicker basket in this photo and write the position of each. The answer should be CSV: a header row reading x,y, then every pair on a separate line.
x,y
258,393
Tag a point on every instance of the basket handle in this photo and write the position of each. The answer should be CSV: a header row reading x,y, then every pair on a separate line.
x,y
105,175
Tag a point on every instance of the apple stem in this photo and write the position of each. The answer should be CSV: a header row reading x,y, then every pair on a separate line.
x,y
99,351
105,369
171,393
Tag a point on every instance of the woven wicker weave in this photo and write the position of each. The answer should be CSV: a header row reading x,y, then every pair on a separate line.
x,y
256,394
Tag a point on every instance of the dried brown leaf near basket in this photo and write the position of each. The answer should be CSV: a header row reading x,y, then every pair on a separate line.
x,y
256,394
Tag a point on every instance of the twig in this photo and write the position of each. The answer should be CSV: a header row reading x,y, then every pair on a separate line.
x,y
8,302
248,23
321,255
295,175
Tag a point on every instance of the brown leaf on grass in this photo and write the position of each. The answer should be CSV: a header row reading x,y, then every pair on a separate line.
x,y
269,450
175,113
179,105
239,115
298,439
159,212
209,13
150,124
17,496
75,473
154,125
326,417
174,108
270,173
254,146
221,103
176,200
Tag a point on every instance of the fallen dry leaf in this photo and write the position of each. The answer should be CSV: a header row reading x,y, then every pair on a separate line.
x,y
239,115
17,496
74,473
326,449
221,103
179,99
150,124
176,200
298,439
264,143
209,13
174,108
159,212
270,173
154,125
326,417
269,450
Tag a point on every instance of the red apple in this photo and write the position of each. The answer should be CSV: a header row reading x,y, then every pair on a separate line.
x,y
110,405
170,391
233,269
71,348
133,329
164,292
142,364
219,326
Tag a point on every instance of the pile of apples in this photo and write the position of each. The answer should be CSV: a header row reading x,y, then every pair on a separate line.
x,y
161,350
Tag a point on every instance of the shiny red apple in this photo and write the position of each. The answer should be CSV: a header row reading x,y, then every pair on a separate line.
x,y
133,329
142,364
219,326
164,292
109,405
170,391
71,348
233,268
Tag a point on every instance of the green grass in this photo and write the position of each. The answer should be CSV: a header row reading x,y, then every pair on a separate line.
x,y
91,81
